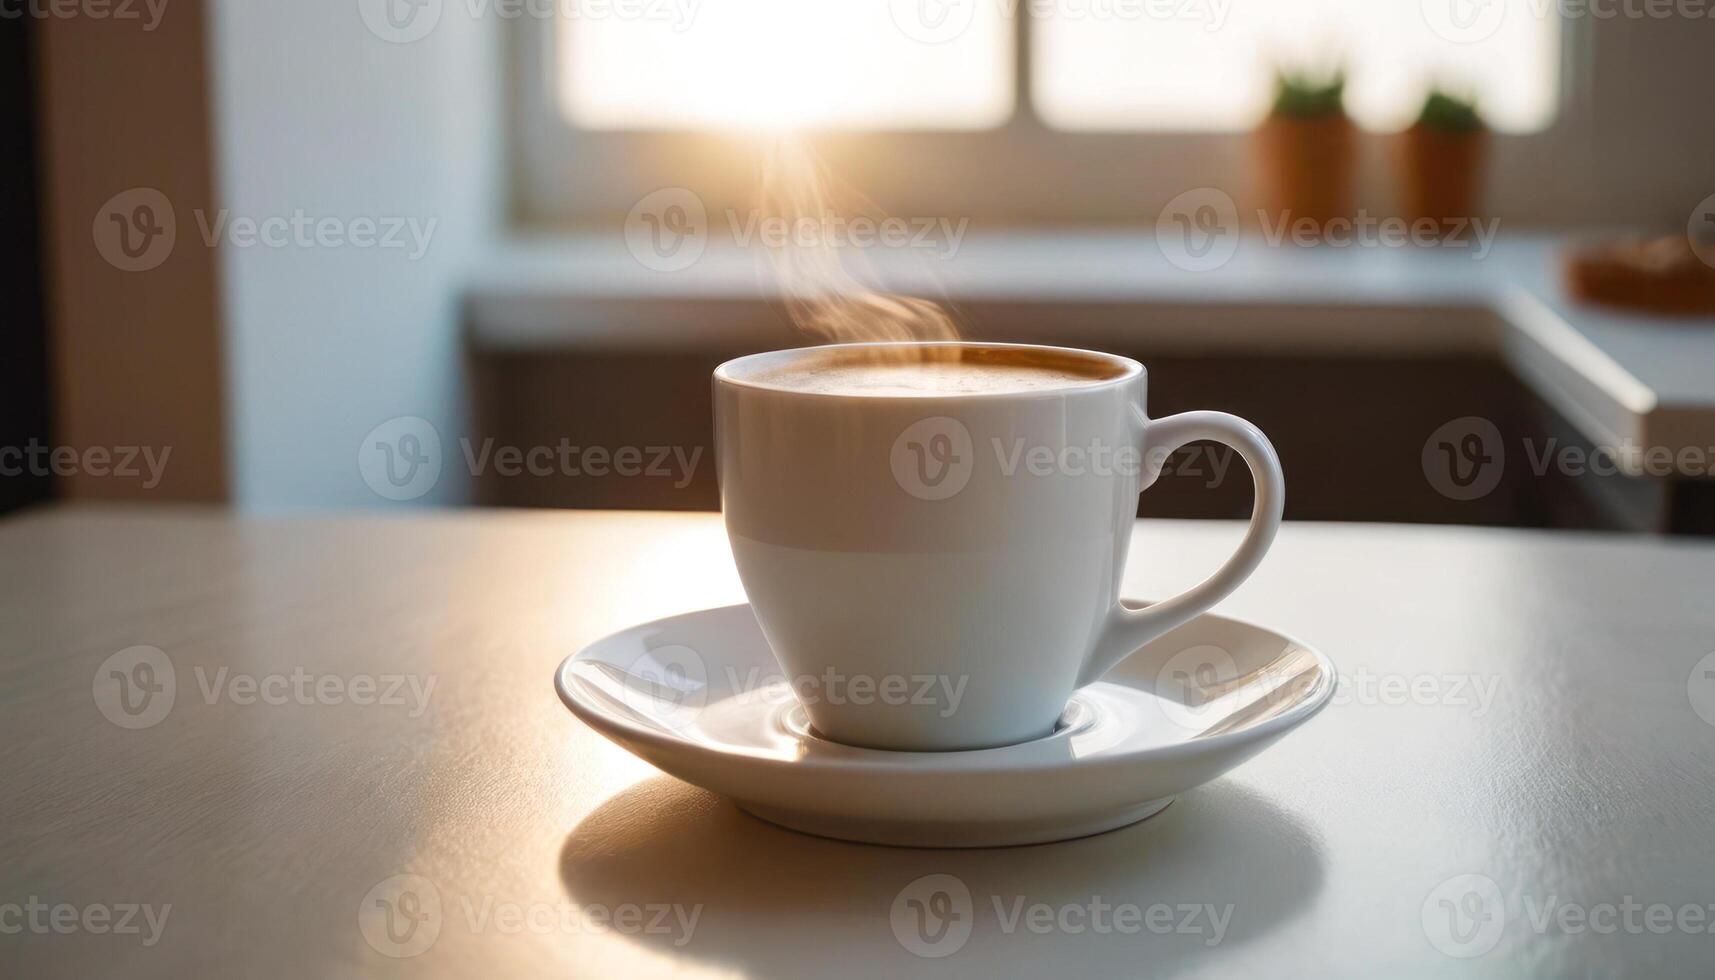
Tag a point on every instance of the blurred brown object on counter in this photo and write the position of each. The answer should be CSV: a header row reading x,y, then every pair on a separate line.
x,y
1659,275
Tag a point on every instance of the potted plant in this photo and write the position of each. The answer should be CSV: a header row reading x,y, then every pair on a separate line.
x,y
1306,148
1442,160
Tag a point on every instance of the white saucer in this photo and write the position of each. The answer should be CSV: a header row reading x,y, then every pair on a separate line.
x,y
700,696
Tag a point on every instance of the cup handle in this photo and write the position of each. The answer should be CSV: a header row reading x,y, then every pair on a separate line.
x,y
1126,630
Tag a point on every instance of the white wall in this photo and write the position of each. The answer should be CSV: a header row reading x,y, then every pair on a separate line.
x,y
316,113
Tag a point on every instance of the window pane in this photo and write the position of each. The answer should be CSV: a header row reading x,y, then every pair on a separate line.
x,y
856,64
1207,64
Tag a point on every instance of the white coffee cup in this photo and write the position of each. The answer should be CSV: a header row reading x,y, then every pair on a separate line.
x,y
940,572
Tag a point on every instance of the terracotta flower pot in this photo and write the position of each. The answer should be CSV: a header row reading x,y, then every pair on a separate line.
x,y
1306,168
1442,174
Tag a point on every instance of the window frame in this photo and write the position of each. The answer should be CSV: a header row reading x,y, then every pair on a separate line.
x,y
565,178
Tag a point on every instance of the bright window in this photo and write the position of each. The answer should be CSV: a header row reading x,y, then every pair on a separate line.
x,y
844,64
1207,64
1096,64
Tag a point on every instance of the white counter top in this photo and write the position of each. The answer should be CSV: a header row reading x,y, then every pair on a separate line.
x,y
1515,777
1626,380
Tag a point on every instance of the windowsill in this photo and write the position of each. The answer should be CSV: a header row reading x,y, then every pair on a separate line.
x,y
1621,378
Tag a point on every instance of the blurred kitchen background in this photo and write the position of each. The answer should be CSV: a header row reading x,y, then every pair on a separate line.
x,y
1453,256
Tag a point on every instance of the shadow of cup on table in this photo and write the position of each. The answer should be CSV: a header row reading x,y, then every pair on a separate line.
x,y
777,903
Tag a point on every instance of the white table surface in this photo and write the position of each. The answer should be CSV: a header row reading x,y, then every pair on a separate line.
x,y
1515,705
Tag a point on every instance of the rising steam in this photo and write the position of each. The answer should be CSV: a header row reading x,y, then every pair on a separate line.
x,y
825,280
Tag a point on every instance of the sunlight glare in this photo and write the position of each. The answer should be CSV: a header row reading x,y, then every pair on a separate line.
x,y
773,64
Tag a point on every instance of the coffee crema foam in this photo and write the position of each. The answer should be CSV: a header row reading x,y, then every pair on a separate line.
x,y
937,371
